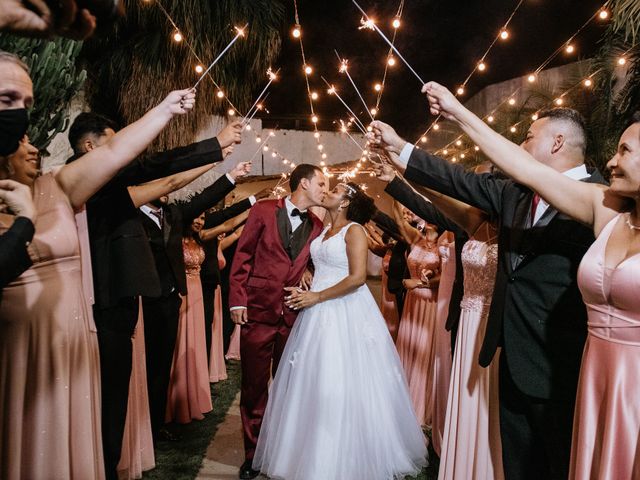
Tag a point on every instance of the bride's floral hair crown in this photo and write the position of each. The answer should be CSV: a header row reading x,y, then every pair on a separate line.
x,y
350,190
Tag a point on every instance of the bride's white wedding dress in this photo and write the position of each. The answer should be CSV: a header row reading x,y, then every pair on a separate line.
x,y
339,406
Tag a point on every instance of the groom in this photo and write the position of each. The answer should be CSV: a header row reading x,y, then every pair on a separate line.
x,y
272,253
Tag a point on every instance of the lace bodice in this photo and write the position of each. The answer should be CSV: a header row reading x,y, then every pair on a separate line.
x,y
193,256
479,262
330,258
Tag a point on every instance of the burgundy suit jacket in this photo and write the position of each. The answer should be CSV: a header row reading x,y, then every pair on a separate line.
x,y
261,267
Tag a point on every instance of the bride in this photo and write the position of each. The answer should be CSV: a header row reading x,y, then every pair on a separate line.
x,y
339,407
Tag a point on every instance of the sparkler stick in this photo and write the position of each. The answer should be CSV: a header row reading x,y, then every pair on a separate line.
x,y
256,110
271,134
272,76
371,24
238,35
344,69
332,91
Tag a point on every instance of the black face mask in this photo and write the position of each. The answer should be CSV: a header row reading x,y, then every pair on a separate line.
x,y
13,127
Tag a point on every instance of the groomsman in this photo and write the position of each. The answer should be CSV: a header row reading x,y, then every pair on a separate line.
x,y
537,315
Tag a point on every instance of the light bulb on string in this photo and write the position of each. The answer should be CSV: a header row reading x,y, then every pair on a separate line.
x,y
462,155
220,94
504,34
369,128
314,95
459,143
454,159
531,78
199,69
391,61
482,66
436,126
604,14
324,155
377,87
476,148
490,119
296,32
374,111
273,154
445,152
396,23
258,139
265,148
177,37
314,119
622,61
513,129
423,139
512,101
316,135
534,117
570,48
308,70
320,147
460,91
558,101
587,82
248,127
231,112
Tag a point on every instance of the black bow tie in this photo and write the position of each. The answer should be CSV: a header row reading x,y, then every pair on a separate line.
x,y
297,213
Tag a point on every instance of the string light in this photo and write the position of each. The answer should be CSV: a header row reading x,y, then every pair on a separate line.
x,y
559,101
512,101
531,78
308,70
314,119
177,37
436,126
504,34
296,32
377,87
459,143
314,95
513,129
570,49
231,112
460,91
603,14
374,111
316,134
445,152
476,148
482,66
490,119
220,94
391,61
396,23
622,61
199,69
534,117
423,139
587,83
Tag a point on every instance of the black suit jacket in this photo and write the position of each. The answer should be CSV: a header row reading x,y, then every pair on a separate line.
x,y
14,257
398,269
209,271
403,193
177,219
122,262
537,313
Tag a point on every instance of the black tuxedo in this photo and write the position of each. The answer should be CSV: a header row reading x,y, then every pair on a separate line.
x,y
398,269
161,312
123,269
402,192
14,257
537,314
210,273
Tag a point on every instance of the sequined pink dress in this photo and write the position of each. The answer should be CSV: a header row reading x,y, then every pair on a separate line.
x,y
471,447
189,394
416,333
606,427
49,364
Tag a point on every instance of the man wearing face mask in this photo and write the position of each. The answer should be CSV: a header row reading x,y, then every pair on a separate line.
x,y
16,94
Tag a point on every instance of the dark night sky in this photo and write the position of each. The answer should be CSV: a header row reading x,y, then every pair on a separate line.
x,y
441,39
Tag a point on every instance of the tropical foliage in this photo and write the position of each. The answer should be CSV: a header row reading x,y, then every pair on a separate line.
x,y
134,67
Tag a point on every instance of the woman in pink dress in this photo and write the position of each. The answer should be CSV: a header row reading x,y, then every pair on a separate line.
x,y
606,429
416,334
189,395
137,444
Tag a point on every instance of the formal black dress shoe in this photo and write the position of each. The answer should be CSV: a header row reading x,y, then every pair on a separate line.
x,y
165,435
246,472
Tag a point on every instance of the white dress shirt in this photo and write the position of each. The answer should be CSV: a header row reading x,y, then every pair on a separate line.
x,y
149,212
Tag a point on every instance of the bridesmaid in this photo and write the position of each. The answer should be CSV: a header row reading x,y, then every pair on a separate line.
x,y
49,366
189,395
606,429
416,334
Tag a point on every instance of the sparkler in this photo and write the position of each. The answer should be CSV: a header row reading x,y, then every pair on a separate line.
x,y
238,35
368,23
272,76
271,134
344,68
332,91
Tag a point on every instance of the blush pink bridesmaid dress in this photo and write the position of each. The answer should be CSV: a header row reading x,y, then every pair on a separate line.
x,y
606,427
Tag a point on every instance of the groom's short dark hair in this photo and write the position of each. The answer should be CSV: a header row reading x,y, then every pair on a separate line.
x,y
304,170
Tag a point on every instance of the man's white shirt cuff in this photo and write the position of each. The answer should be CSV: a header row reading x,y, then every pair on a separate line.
x,y
405,154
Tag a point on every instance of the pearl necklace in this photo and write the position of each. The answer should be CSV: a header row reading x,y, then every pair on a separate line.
x,y
631,225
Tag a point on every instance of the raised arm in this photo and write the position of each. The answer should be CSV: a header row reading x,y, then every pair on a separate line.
x,y
579,200
145,193
409,234
232,223
84,177
232,238
356,240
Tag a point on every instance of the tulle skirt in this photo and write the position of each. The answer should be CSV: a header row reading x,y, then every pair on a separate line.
x,y
339,406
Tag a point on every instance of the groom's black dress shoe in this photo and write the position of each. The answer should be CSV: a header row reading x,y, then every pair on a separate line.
x,y
246,472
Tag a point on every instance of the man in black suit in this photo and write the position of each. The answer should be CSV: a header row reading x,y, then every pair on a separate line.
x,y
122,262
14,256
165,226
537,314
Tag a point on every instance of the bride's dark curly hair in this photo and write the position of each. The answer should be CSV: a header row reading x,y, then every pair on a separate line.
x,y
361,206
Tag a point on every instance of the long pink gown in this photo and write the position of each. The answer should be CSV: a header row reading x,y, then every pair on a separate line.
x,y
233,352
217,368
388,302
471,445
415,341
189,395
606,427
442,352
137,443
49,364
